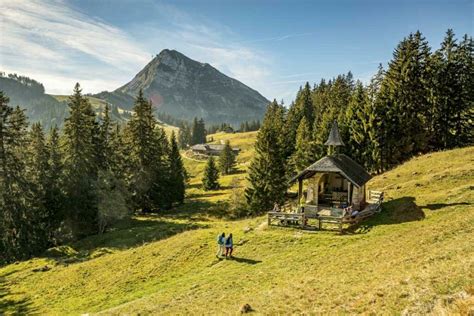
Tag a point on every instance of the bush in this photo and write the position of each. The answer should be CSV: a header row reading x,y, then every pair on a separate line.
x,y
237,203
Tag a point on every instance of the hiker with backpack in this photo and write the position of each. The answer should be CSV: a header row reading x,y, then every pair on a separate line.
x,y
220,245
229,246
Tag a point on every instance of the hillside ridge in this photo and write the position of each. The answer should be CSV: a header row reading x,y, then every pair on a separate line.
x,y
414,257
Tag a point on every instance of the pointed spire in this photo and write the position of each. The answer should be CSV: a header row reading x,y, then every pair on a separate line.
x,y
334,138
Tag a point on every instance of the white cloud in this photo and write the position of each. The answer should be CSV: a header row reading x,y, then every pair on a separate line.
x,y
57,45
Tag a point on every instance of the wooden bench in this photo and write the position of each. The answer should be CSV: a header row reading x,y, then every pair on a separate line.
x,y
286,218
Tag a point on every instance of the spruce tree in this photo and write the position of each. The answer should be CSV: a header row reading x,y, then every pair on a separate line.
x,y
267,174
198,132
39,181
176,172
184,136
15,194
81,164
210,180
405,89
302,157
226,159
359,122
146,156
464,112
55,199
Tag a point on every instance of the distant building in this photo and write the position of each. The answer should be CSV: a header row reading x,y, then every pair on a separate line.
x,y
211,149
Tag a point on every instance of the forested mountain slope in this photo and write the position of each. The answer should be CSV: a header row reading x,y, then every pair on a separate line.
x,y
29,95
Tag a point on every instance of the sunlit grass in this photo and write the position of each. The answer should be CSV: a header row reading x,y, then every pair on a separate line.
x,y
416,256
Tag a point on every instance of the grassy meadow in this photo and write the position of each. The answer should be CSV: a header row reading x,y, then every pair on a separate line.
x,y
415,257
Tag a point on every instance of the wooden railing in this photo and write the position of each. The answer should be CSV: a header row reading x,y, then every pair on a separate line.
x,y
300,218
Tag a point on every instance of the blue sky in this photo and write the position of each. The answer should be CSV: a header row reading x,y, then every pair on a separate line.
x,y
272,46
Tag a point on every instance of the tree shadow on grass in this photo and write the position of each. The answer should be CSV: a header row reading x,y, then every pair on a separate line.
x,y
207,194
396,211
13,306
245,260
438,206
126,234
197,210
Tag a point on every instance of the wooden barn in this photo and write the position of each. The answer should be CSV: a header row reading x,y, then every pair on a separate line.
x,y
332,190
211,149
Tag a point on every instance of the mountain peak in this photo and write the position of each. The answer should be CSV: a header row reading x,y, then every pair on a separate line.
x,y
185,88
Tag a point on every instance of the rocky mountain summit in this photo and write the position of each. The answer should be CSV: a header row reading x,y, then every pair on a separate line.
x,y
185,88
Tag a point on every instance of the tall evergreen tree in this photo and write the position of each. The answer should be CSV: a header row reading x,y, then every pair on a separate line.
x,y
38,177
464,117
303,152
359,120
15,193
198,132
81,164
406,95
184,136
267,173
146,156
210,180
226,159
176,171
55,200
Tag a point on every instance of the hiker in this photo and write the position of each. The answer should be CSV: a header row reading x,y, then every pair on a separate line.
x,y
220,245
354,213
276,207
229,246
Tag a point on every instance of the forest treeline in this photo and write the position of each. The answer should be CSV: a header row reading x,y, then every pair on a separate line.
x,y
422,102
68,185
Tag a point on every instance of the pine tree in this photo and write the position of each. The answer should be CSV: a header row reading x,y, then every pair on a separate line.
x,y
176,172
267,173
358,119
302,157
104,138
198,132
226,159
81,164
118,161
146,156
211,175
38,177
15,197
184,136
55,199
405,89
464,112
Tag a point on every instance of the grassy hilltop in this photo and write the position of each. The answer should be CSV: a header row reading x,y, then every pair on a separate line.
x,y
415,256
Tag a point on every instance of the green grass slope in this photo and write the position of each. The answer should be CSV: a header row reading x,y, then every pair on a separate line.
x,y
416,256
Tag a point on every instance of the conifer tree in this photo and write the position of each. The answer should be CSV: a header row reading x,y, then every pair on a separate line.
x,y
176,172
146,156
38,177
405,89
15,197
198,132
464,112
81,164
55,200
184,136
211,175
359,122
226,159
104,138
267,174
302,157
